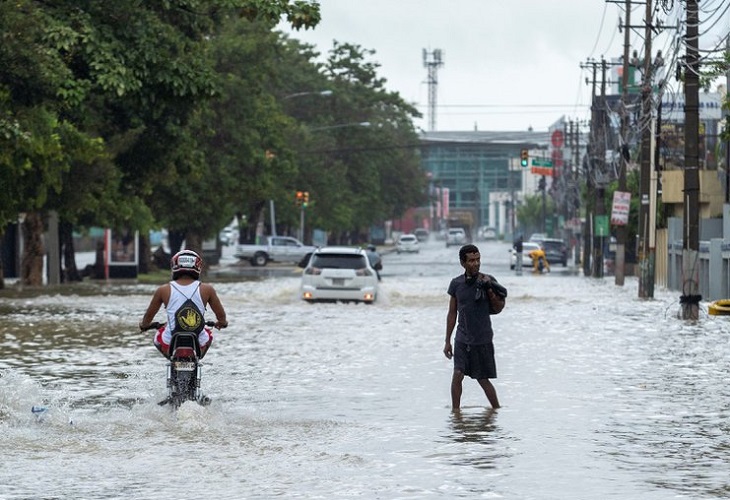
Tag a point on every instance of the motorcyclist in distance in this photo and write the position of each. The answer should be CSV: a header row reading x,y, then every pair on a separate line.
x,y
376,262
185,286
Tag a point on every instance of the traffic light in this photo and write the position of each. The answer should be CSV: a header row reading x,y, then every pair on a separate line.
x,y
305,198
300,198
524,158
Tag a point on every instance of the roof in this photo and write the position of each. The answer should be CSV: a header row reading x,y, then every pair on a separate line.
x,y
340,250
526,138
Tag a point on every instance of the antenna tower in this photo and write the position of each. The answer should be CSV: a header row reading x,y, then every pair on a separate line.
x,y
432,61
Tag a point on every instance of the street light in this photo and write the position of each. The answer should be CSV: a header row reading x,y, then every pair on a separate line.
x,y
300,94
342,125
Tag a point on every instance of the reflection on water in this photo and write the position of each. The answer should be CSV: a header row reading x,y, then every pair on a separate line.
x,y
485,443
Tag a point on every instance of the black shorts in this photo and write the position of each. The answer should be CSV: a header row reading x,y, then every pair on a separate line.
x,y
476,361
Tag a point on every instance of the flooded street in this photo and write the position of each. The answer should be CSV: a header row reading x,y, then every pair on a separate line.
x,y
604,395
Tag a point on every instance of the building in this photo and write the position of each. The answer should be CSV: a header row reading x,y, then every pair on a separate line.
x,y
479,172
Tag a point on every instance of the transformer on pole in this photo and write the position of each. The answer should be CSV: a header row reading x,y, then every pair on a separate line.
x,y
432,61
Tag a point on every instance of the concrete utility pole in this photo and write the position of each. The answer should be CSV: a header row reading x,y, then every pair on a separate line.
x,y
691,242
622,230
432,61
589,171
600,189
646,260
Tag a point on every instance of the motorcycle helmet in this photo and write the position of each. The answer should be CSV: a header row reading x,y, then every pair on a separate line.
x,y
372,247
186,262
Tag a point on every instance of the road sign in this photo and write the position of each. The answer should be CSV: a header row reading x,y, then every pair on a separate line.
x,y
537,162
557,138
542,171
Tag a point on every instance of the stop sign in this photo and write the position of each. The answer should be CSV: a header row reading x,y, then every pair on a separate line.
x,y
557,138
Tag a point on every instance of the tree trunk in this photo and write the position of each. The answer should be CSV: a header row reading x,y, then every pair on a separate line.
x,y
31,268
2,269
71,272
175,239
145,256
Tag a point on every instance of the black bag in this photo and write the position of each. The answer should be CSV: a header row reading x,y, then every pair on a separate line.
x,y
188,318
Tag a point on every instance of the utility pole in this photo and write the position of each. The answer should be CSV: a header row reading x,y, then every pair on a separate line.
x,y
691,242
588,167
600,207
432,61
646,261
727,142
622,230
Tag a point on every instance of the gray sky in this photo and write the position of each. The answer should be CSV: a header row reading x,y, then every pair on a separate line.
x,y
508,64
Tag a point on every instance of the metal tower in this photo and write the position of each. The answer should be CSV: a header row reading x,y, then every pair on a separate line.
x,y
432,61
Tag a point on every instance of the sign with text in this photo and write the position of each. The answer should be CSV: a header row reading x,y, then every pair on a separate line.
x,y
620,208
600,225
538,162
542,170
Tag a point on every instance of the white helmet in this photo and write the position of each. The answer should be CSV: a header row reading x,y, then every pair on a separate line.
x,y
186,261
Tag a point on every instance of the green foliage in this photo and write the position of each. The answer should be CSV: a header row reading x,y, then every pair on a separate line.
x,y
530,213
178,114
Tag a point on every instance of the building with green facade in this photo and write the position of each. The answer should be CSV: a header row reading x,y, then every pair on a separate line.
x,y
480,173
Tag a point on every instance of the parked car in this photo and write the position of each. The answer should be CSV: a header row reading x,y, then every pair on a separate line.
x,y
228,236
421,234
527,247
339,274
556,251
455,236
538,236
487,233
407,243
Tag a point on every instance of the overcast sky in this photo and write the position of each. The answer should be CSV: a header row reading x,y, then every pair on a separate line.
x,y
507,64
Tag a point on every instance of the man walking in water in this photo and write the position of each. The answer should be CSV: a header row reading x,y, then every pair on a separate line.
x,y
474,298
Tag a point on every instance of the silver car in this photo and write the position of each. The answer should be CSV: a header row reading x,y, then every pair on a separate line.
x,y
407,243
456,236
339,274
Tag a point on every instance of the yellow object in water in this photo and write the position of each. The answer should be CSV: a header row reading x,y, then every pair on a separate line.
x,y
720,308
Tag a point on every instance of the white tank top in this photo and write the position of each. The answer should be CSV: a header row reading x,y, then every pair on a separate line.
x,y
178,295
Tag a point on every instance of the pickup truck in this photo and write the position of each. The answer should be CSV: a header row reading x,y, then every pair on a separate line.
x,y
275,249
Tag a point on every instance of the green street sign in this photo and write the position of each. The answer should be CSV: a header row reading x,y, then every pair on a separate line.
x,y
600,225
536,162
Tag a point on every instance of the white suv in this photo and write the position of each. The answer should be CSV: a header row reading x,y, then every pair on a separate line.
x,y
339,274
455,236
407,243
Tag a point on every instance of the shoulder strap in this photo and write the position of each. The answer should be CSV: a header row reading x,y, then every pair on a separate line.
x,y
188,317
172,284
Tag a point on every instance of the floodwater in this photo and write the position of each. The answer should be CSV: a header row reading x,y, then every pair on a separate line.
x,y
604,395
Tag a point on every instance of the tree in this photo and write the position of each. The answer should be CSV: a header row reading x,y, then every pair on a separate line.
x,y
122,78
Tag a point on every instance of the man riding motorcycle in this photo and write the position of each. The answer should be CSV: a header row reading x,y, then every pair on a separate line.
x,y
184,291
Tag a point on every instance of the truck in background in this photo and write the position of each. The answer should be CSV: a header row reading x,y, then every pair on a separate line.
x,y
274,249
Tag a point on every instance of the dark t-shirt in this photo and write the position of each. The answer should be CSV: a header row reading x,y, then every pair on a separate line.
x,y
474,325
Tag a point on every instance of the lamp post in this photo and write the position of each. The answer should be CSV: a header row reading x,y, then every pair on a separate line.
x,y
324,93
342,125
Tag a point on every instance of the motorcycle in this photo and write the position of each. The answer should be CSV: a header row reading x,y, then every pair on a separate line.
x,y
184,369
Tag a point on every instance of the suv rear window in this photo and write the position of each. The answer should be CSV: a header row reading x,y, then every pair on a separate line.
x,y
338,261
553,244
